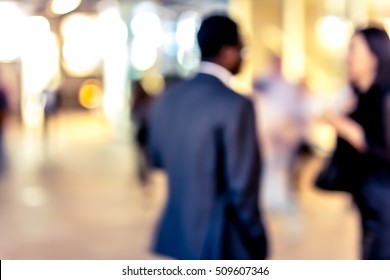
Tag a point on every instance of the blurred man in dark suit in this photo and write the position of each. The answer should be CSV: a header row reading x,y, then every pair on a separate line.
x,y
203,135
140,109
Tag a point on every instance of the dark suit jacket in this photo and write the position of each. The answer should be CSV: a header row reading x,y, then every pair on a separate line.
x,y
203,134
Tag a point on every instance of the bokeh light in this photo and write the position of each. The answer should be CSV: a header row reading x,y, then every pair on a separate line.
x,y
40,54
148,36
11,28
60,7
146,26
153,83
91,94
115,59
40,60
82,48
143,55
334,32
186,29
112,27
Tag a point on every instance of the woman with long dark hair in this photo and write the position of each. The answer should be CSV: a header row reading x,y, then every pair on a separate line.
x,y
367,130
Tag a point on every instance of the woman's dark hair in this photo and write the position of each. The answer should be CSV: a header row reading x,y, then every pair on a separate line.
x,y
215,32
378,42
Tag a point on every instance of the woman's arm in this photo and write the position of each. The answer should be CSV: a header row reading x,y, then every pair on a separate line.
x,y
354,133
349,130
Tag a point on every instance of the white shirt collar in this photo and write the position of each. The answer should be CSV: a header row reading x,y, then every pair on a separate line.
x,y
217,71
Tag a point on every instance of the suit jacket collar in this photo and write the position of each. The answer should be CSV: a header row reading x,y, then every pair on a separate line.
x,y
217,71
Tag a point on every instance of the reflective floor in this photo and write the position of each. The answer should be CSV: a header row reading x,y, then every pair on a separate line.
x,y
74,195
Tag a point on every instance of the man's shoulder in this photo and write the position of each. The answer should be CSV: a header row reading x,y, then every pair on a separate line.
x,y
177,87
213,84
237,99
166,99
203,84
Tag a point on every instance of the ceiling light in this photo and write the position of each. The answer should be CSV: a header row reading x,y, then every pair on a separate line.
x,y
60,7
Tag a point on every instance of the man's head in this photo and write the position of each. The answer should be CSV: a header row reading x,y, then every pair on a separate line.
x,y
220,42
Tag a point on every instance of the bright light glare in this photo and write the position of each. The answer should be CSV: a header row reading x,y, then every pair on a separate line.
x,y
334,32
148,37
40,54
143,56
145,6
40,60
38,24
32,110
82,48
186,30
11,27
112,27
115,60
60,7
386,23
115,75
147,26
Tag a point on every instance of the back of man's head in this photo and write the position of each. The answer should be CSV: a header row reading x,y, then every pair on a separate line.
x,y
215,32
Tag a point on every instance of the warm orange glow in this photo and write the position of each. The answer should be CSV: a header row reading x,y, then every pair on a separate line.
x,y
91,94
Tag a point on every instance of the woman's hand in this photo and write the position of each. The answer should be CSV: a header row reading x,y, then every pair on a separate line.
x,y
348,129
356,138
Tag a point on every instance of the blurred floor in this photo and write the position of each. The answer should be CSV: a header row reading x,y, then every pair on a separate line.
x,y
75,196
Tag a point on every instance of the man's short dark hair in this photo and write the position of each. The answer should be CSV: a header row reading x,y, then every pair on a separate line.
x,y
215,32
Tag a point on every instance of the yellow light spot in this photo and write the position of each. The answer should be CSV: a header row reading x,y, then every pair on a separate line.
x,y
153,83
91,94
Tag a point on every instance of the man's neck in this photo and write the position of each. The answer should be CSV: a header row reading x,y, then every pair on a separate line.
x,y
216,70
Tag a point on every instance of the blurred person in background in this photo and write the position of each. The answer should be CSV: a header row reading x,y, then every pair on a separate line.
x,y
50,106
367,130
279,105
203,134
308,108
3,117
140,110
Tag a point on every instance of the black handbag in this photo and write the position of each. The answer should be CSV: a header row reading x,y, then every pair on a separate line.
x,y
342,170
